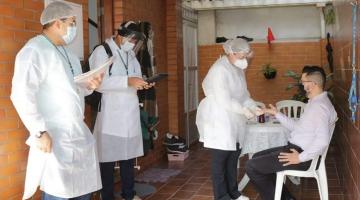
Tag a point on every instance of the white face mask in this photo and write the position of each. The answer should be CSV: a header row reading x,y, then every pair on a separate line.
x,y
241,63
70,34
127,46
151,34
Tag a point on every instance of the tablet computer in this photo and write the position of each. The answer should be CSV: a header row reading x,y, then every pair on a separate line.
x,y
156,77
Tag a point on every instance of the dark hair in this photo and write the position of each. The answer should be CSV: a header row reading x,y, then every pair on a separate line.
x,y
48,25
315,70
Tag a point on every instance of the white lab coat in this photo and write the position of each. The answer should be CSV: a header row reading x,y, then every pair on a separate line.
x,y
46,98
219,118
117,127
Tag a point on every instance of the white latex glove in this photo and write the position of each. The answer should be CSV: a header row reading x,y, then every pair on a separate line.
x,y
258,111
248,114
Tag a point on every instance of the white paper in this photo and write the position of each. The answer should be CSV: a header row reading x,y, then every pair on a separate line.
x,y
83,79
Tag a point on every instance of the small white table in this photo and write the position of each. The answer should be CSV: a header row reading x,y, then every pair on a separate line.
x,y
262,136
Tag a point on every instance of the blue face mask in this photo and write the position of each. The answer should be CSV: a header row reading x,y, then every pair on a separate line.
x,y
70,34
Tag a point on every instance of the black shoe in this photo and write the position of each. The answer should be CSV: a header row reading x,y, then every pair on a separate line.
x,y
177,149
288,198
221,39
171,140
245,38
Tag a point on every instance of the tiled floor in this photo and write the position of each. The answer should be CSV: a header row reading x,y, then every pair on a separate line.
x,y
194,182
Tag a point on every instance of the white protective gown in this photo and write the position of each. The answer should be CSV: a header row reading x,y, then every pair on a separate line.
x,y
47,99
117,127
219,118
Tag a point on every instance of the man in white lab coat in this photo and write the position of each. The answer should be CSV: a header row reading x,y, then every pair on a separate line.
x,y
62,156
117,127
222,115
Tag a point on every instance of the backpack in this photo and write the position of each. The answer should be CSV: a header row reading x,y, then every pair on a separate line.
x,y
94,99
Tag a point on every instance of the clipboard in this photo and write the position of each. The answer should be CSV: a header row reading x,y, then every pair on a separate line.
x,y
84,78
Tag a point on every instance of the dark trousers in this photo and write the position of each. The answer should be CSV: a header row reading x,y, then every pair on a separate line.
x,y
127,179
262,170
224,173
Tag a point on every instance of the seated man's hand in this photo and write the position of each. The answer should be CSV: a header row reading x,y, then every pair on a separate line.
x,y
289,158
272,110
95,82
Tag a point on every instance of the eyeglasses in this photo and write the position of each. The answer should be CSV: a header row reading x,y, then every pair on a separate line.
x,y
72,23
243,55
302,82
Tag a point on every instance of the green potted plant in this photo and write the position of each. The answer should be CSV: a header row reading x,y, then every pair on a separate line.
x,y
300,95
269,71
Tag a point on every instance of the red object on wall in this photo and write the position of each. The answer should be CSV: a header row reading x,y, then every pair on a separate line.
x,y
270,36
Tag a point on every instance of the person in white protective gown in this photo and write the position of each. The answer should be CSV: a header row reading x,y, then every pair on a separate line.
x,y
222,115
62,156
117,126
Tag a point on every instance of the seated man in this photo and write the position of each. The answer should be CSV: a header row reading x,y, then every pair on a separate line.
x,y
309,137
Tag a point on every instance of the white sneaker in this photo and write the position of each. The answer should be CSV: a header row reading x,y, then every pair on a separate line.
x,y
242,197
136,197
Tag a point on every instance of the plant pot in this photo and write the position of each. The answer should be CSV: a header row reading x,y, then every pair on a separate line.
x,y
270,75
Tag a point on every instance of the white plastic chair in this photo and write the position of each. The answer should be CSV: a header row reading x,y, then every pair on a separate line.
x,y
289,107
319,174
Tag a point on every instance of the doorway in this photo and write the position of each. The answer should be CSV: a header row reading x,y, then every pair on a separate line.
x,y
190,47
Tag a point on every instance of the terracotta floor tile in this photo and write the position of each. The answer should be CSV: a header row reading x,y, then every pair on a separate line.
x,y
168,189
199,179
191,187
159,197
177,182
205,192
200,197
183,195
207,185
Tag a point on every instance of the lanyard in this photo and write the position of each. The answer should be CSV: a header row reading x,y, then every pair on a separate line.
x,y
122,60
353,101
66,57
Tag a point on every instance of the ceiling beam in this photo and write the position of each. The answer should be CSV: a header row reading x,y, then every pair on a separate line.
x,y
232,4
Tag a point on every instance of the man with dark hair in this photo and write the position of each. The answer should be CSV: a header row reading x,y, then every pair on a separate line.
x,y
309,137
311,70
117,126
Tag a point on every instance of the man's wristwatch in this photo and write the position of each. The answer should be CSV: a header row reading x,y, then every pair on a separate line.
x,y
39,134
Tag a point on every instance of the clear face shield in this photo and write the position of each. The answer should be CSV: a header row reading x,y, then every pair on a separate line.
x,y
134,41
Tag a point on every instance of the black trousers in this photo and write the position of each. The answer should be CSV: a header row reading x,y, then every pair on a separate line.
x,y
224,173
127,179
262,170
